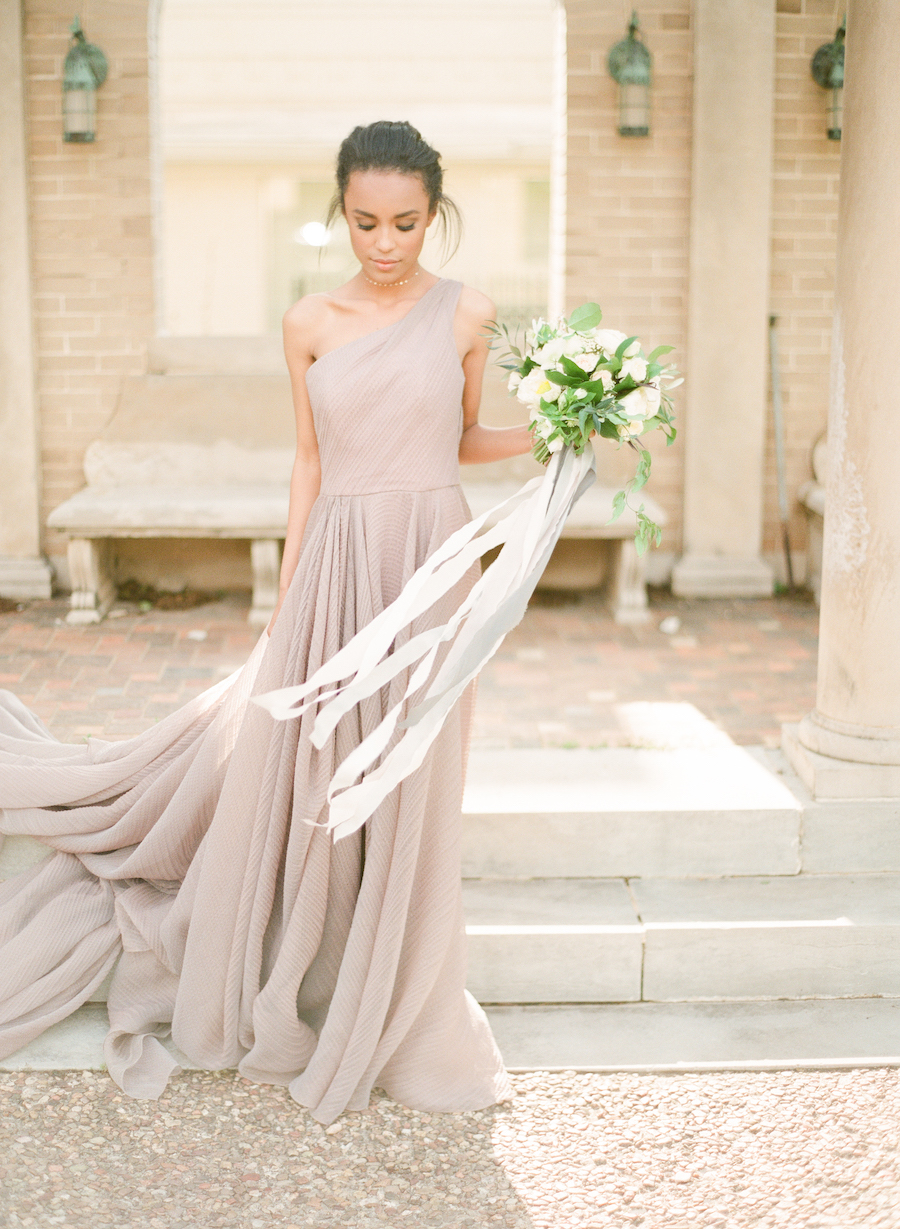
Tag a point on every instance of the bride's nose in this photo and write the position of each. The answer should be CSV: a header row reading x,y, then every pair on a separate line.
x,y
385,240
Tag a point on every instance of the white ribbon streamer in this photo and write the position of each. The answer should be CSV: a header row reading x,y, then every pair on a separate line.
x,y
531,523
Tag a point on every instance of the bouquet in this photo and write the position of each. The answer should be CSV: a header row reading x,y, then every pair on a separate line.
x,y
578,379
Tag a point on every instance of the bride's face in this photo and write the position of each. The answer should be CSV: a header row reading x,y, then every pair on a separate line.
x,y
387,213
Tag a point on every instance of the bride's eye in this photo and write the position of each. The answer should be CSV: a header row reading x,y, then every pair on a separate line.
x,y
359,226
412,226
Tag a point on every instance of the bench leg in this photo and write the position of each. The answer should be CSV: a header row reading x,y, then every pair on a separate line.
x,y
628,589
265,560
93,589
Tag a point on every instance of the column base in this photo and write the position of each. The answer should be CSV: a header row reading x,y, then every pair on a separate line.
x,y
825,776
722,576
25,578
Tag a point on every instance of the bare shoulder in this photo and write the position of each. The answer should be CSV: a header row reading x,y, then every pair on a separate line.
x,y
305,315
475,306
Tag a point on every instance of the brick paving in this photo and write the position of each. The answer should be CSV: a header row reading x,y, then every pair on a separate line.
x,y
564,677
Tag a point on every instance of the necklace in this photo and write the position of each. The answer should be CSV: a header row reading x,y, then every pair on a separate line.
x,y
384,285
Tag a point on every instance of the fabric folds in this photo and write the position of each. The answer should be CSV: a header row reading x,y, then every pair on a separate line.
x,y
194,858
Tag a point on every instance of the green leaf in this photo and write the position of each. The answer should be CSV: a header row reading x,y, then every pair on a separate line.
x,y
586,317
655,354
594,386
571,368
557,377
623,346
643,471
608,430
618,506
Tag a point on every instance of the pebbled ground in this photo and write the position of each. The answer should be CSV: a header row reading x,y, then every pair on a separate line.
x,y
731,1151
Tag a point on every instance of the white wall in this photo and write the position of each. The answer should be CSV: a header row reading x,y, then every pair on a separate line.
x,y
254,102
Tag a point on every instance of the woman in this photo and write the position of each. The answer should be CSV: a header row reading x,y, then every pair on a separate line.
x,y
192,858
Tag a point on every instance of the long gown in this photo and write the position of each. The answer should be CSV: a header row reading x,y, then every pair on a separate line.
x,y
191,859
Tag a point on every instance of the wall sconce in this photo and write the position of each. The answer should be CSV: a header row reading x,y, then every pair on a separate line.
x,y
629,67
85,69
827,67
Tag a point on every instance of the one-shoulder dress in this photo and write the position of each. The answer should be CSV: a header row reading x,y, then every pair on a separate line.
x,y
191,859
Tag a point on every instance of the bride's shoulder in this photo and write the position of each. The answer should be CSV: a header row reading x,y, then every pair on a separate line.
x,y
305,320
474,307
310,310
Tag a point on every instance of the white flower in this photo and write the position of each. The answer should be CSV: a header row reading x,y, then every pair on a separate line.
x,y
534,386
609,339
549,354
633,349
607,379
629,429
587,362
634,367
555,445
514,381
574,345
640,404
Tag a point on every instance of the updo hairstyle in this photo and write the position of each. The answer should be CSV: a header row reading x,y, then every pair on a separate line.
x,y
389,145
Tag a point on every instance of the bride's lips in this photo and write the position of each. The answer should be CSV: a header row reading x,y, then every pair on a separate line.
x,y
385,265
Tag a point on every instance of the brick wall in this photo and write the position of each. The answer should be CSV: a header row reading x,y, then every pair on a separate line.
x,y
91,225
629,197
804,228
629,205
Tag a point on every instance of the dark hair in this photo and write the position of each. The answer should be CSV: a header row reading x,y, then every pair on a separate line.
x,y
389,145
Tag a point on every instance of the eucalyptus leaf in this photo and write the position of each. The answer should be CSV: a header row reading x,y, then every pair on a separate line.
x,y
623,346
660,350
586,317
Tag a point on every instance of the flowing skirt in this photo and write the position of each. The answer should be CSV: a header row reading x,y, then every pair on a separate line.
x,y
192,861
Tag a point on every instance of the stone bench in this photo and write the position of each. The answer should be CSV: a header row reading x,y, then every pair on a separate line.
x,y
184,456
202,447
615,562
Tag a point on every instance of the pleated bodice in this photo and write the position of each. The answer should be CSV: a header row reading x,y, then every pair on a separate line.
x,y
388,406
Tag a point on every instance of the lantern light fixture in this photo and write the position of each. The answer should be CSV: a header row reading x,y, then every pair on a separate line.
x,y
84,71
827,68
629,65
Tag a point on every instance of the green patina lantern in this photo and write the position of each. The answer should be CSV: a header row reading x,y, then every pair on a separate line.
x,y
629,66
827,68
84,71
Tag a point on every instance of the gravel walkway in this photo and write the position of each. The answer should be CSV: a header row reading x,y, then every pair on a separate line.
x,y
800,1150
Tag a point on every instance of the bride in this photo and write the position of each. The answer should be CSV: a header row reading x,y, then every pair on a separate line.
x,y
192,860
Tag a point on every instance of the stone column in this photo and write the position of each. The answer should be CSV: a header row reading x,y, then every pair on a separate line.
x,y
726,361
23,572
849,745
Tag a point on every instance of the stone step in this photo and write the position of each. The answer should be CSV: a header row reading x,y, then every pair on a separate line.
x,y
663,940
627,811
646,1037
713,809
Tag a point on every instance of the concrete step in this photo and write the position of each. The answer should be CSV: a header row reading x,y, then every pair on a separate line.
x,y
657,940
621,812
647,1037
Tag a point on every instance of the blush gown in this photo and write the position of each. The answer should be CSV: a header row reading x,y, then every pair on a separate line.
x,y
187,859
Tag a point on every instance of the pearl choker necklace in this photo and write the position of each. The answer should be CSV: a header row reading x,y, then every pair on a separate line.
x,y
384,285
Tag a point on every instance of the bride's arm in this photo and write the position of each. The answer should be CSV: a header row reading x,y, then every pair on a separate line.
x,y
480,444
299,322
